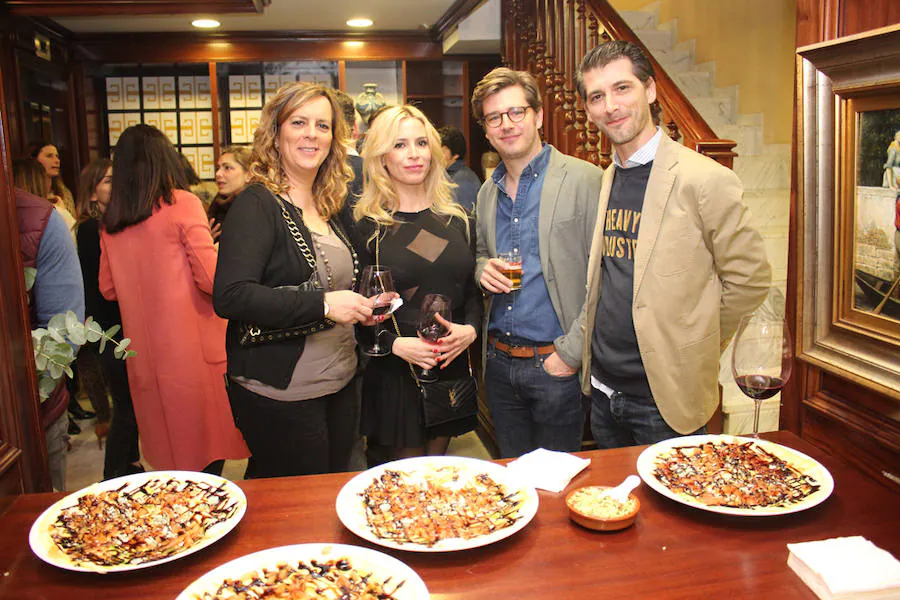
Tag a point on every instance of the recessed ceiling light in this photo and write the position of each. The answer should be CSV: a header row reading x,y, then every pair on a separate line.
x,y
362,22
205,23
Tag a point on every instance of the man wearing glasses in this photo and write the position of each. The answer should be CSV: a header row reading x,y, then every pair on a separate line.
x,y
540,205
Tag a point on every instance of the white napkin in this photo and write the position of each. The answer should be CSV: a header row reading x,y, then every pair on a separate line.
x,y
547,469
846,567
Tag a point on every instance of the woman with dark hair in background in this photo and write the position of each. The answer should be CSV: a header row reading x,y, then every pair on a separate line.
x,y
411,224
48,156
101,374
286,261
232,176
158,261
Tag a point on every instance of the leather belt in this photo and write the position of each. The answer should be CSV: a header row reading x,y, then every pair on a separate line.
x,y
521,351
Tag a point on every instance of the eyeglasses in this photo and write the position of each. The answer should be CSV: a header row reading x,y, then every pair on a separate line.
x,y
514,114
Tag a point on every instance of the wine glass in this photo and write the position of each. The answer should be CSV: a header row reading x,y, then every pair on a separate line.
x,y
378,284
430,328
762,358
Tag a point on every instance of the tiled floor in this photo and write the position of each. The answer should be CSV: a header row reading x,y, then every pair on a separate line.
x,y
84,462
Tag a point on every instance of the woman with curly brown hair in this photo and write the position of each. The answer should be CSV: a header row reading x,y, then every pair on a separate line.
x,y
286,265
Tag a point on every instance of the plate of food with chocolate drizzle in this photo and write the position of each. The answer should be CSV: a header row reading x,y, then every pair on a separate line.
x,y
325,570
436,504
137,521
735,475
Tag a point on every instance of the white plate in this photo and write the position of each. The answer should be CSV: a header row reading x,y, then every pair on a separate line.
x,y
351,510
646,464
47,550
381,566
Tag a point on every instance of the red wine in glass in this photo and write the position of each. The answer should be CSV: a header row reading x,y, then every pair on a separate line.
x,y
759,387
762,359
378,284
430,328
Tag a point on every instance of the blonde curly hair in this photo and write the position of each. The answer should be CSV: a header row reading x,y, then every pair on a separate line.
x,y
379,199
266,167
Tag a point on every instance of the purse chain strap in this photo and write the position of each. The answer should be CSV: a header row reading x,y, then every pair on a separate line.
x,y
298,237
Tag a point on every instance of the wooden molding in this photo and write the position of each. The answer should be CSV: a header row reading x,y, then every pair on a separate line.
x,y
458,11
191,47
100,8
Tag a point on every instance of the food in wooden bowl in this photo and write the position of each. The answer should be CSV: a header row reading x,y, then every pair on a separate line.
x,y
594,508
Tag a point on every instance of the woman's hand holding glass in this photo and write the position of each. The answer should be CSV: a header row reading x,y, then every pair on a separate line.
x,y
348,308
454,343
416,351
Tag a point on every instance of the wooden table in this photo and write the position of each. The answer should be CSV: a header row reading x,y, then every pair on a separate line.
x,y
672,551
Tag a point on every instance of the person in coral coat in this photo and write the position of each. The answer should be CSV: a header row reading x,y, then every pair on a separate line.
x,y
158,261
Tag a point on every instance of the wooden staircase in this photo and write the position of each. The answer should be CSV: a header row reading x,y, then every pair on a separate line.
x,y
548,38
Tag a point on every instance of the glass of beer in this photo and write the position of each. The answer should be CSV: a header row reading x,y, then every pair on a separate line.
x,y
512,268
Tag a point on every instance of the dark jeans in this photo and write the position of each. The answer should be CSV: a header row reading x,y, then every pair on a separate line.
x,y
301,437
122,450
532,409
626,420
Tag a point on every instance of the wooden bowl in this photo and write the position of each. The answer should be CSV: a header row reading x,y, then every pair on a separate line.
x,y
596,522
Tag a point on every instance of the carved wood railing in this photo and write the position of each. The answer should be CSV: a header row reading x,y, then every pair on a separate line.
x,y
548,38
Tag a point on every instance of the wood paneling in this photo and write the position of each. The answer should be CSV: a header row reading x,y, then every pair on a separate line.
x,y
846,419
98,8
23,464
193,47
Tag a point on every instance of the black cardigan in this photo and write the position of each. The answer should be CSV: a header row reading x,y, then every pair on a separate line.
x,y
256,255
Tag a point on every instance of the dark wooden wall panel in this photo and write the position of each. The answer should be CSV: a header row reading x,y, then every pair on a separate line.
x,y
845,419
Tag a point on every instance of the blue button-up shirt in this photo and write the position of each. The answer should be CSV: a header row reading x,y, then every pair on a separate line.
x,y
527,313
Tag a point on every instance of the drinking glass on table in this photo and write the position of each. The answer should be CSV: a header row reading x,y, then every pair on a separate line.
x,y
762,358
378,284
512,268
430,328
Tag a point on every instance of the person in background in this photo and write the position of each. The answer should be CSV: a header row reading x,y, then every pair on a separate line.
x,y
205,190
674,265
158,260
348,111
541,204
46,246
232,174
102,375
427,241
59,195
30,176
891,166
453,146
295,399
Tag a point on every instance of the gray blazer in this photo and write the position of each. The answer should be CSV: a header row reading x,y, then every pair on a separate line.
x,y
567,214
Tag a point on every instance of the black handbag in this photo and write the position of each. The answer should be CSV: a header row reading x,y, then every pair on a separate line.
x,y
252,335
451,400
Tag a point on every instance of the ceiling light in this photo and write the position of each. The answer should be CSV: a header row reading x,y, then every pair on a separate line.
x,y
205,23
362,22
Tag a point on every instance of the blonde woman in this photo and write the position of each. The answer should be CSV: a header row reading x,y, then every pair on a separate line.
x,y
294,400
232,176
412,225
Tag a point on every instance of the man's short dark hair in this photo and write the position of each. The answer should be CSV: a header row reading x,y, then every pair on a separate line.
x,y
347,108
606,53
454,139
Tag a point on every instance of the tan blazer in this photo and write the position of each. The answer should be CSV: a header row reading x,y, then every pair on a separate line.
x,y
567,215
698,268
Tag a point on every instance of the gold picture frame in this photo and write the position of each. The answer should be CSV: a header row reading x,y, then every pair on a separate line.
x,y
844,86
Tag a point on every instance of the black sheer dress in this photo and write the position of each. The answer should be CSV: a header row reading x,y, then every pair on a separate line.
x,y
427,253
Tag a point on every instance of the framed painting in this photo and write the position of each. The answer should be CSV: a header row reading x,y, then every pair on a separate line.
x,y
848,254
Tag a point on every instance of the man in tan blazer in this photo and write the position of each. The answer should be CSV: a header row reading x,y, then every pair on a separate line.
x,y
674,265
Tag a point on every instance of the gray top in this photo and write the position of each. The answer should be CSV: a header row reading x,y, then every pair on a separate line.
x,y
328,362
